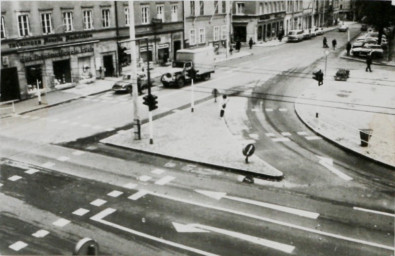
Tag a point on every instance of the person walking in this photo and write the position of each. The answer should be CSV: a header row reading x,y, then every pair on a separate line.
x,y
324,43
334,42
238,45
223,103
348,48
250,43
368,62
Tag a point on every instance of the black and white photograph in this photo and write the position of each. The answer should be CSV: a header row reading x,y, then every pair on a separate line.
x,y
197,127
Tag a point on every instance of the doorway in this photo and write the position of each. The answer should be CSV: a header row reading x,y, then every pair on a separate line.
x,y
9,84
108,65
240,33
34,76
61,71
176,47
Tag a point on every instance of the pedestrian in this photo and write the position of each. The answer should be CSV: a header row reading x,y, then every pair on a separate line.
x,y
238,45
224,101
250,43
281,35
324,43
320,77
348,48
368,62
334,42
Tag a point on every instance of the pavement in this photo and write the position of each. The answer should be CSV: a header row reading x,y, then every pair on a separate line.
x,y
363,102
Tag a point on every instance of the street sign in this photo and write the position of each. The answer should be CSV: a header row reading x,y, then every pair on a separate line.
x,y
86,246
248,151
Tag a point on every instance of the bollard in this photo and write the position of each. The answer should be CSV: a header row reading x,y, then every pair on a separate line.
x,y
215,94
365,135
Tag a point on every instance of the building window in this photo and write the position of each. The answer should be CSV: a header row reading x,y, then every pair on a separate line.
x,y
201,7
202,36
192,37
223,6
216,6
145,15
224,32
260,8
23,25
127,16
174,13
68,21
88,22
240,8
216,33
46,23
192,8
159,12
105,14
3,35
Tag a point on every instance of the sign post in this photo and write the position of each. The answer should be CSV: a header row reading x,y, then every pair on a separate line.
x,y
248,151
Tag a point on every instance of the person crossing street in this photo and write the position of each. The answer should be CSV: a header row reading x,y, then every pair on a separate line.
x,y
368,62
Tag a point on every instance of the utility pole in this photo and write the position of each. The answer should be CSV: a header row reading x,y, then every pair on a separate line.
x,y
228,25
132,33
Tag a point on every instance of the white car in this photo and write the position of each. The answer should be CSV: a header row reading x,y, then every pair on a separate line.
x,y
343,28
318,31
364,50
295,35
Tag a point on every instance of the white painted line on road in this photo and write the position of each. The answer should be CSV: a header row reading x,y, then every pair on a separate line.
x,y
61,222
254,136
144,178
138,194
115,193
269,110
63,158
1,185
158,171
285,134
164,180
335,171
48,165
110,129
18,246
302,133
130,185
313,138
269,134
14,178
255,110
170,165
80,212
280,139
282,223
78,152
40,233
99,218
98,202
31,171
283,109
375,212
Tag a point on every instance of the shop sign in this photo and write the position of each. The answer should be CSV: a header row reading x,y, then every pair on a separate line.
x,y
53,39
264,17
78,36
161,46
55,53
24,43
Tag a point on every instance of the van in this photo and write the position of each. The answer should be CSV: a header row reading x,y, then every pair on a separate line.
x,y
295,35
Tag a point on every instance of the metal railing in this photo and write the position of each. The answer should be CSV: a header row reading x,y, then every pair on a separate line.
x,y
3,106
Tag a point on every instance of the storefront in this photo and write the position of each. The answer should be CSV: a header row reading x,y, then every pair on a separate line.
x,y
269,26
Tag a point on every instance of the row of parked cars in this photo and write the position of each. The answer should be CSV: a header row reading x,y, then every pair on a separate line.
x,y
302,34
369,43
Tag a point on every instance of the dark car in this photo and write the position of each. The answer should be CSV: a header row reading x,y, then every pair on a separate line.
x,y
364,27
125,85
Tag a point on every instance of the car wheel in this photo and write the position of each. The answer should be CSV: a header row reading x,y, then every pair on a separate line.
x,y
180,82
207,77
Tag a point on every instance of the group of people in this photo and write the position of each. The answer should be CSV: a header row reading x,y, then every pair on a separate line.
x,y
325,43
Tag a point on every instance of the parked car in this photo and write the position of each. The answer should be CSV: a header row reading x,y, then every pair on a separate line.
x,y
295,35
125,85
364,27
318,31
306,34
343,28
364,50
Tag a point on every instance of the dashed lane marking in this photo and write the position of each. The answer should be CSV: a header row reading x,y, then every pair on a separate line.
x,y
31,171
1,185
138,194
164,180
78,152
375,212
63,158
269,110
61,222
18,246
280,139
115,193
40,233
80,212
269,134
48,165
130,185
255,110
285,134
98,202
14,178
302,133
254,136
313,138
283,109
158,171
144,178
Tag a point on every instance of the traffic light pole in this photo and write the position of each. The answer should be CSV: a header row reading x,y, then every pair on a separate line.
x,y
151,128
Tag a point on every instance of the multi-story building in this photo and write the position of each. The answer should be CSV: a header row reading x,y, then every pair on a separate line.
x,y
294,15
44,43
259,20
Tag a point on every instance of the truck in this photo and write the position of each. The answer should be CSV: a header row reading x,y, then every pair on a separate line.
x,y
196,64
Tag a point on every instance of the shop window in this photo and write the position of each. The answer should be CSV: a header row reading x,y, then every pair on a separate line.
x,y
192,8
159,12
239,8
201,7
223,6
23,25
192,37
87,20
174,13
216,33
216,6
105,18
3,34
46,23
144,15
202,36
68,21
260,33
224,32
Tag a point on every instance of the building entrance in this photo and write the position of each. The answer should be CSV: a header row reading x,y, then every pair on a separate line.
x,y
61,71
108,65
9,84
240,33
176,47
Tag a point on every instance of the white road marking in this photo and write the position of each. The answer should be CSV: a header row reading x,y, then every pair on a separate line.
x,y
98,202
63,158
269,110
61,222
282,223
269,134
31,171
285,134
18,246
115,193
48,165
283,109
138,194
80,212
130,185
313,138
164,180
78,152
99,218
40,233
375,212
254,136
170,165
302,133
1,185
144,178
187,228
110,129
280,139
335,171
14,178
255,110
158,171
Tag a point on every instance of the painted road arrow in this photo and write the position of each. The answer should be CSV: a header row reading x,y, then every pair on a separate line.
x,y
252,239
220,195
328,163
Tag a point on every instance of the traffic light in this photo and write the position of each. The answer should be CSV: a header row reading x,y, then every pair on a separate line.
x,y
151,101
122,55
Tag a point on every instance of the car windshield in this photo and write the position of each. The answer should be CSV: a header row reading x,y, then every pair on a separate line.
x,y
291,33
178,64
126,77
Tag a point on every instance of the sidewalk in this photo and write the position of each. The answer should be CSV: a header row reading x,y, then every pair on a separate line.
x,y
363,102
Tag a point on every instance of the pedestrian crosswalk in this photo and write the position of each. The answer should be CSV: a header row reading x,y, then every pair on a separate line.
x,y
287,136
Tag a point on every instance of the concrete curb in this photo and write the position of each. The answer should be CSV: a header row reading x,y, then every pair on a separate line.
x,y
337,143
